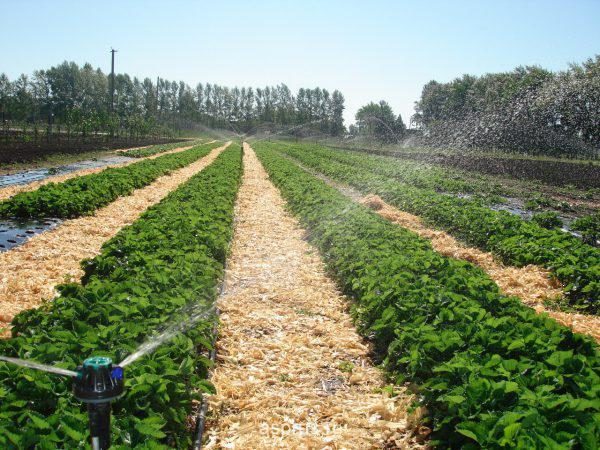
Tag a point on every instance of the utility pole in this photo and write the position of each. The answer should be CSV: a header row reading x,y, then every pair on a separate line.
x,y
157,83
112,80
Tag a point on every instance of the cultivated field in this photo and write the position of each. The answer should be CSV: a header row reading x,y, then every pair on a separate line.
x,y
292,295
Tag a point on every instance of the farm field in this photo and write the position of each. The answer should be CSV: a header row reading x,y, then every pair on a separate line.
x,y
513,240
529,195
83,194
582,173
443,324
339,226
26,181
288,355
345,307
155,267
56,254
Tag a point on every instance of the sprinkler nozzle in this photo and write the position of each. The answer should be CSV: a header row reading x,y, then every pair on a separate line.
x,y
98,383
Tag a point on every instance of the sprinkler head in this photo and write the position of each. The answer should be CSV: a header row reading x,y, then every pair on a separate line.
x,y
97,384
98,381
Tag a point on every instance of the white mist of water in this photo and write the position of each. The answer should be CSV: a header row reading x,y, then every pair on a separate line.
x,y
282,131
196,313
38,366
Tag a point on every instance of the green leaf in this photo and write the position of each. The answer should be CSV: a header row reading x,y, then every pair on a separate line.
x,y
467,433
520,343
150,430
559,358
71,432
38,421
455,399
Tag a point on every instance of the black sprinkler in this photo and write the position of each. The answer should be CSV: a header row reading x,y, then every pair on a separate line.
x,y
98,383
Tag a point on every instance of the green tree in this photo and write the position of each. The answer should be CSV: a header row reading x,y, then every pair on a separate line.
x,y
337,113
377,120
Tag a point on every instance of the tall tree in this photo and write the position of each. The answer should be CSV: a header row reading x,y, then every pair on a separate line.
x,y
337,113
377,120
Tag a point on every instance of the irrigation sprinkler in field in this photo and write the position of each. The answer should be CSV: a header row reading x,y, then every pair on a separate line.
x,y
243,135
97,383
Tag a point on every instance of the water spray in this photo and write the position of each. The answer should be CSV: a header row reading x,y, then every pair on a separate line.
x,y
96,383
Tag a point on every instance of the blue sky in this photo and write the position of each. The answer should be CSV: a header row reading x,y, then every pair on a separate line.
x,y
370,50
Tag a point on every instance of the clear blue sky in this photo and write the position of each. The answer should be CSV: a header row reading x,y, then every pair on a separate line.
x,y
370,50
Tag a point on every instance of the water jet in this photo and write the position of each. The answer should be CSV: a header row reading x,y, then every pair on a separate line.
x,y
97,383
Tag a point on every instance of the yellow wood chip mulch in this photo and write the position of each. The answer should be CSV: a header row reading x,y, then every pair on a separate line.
x,y
291,370
531,283
31,271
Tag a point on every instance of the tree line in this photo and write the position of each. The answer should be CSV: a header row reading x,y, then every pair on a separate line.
x,y
529,109
70,94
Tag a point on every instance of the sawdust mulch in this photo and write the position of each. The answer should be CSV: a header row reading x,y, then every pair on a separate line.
x,y
291,370
31,271
532,284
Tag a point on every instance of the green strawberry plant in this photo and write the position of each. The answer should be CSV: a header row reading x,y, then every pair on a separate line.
x,y
491,372
82,195
515,241
156,149
171,259
589,227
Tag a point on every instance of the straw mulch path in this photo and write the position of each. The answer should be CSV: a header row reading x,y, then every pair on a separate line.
x,y
31,271
10,191
291,370
531,284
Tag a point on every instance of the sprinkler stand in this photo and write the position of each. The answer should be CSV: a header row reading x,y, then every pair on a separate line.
x,y
97,384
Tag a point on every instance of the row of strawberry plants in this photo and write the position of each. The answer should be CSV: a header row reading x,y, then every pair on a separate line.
x,y
83,195
514,240
420,174
431,173
491,371
170,259
155,149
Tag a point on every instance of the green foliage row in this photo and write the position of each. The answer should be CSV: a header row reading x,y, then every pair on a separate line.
x,y
491,371
448,179
155,149
83,195
516,241
589,227
170,259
